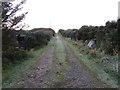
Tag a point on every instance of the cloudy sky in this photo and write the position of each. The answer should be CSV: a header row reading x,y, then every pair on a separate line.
x,y
68,14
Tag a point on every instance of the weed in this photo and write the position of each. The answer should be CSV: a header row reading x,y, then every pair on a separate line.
x,y
93,63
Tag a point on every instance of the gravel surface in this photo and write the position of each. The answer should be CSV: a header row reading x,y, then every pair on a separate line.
x,y
78,76
39,77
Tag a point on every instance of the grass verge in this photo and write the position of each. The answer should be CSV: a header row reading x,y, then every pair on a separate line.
x,y
92,64
10,76
60,64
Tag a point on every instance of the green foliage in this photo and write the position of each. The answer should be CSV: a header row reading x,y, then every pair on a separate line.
x,y
42,38
30,41
112,24
13,56
9,21
86,33
9,18
106,37
93,54
8,39
111,72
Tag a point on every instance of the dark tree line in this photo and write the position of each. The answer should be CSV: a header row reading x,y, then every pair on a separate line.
x,y
34,38
106,37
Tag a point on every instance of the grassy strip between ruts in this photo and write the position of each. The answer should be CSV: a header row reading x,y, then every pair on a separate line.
x,y
60,64
13,74
92,65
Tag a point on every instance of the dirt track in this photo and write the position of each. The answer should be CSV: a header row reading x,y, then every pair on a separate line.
x,y
78,76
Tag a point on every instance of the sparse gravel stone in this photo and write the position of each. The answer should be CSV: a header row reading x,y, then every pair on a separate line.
x,y
78,76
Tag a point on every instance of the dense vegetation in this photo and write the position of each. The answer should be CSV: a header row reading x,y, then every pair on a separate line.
x,y
17,43
105,37
16,49
9,23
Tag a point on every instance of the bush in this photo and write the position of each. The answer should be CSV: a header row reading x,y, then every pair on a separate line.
x,y
42,38
13,56
93,54
30,41
8,39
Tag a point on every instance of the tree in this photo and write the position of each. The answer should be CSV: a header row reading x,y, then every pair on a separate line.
x,y
9,18
9,21
83,33
111,25
118,40
9,41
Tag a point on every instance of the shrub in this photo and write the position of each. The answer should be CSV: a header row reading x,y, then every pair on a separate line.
x,y
42,38
13,56
106,37
30,41
8,39
93,54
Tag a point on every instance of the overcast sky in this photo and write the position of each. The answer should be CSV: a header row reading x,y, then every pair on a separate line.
x,y
69,14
